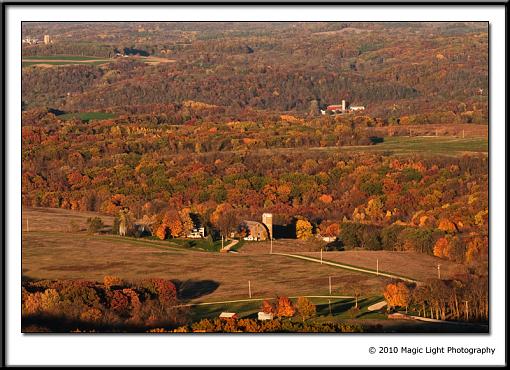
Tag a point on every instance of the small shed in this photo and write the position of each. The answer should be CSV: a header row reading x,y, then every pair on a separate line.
x,y
265,316
228,315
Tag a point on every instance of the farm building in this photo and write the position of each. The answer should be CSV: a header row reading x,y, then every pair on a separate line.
x,y
254,230
342,108
196,233
228,315
327,239
262,316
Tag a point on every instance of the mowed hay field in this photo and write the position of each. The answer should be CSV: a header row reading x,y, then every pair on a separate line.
x,y
59,60
410,264
56,219
415,265
51,251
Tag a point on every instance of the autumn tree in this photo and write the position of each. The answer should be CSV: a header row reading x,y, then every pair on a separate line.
x,y
447,226
305,308
284,307
303,229
112,281
330,229
94,224
224,218
374,209
186,221
397,295
268,307
441,248
477,250
149,223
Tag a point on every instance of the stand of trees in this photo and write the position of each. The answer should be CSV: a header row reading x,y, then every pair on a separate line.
x,y
465,298
113,305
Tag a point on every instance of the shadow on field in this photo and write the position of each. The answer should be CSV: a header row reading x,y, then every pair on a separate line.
x,y
25,278
191,289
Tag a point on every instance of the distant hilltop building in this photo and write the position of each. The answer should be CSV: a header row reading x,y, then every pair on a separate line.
x,y
30,40
342,108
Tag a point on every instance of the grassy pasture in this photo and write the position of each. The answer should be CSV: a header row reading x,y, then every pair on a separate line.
x,y
433,145
52,250
404,146
61,255
415,265
62,57
58,220
56,60
61,63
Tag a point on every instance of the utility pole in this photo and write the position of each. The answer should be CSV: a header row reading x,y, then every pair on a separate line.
x,y
467,310
330,285
321,256
436,131
222,242
27,225
378,267
271,252
463,133
438,271
249,288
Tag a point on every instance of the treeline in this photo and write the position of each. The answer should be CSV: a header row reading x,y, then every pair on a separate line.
x,y
444,241
70,48
464,298
113,305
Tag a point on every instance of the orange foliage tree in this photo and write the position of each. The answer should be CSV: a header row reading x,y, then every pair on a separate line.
x,y
305,308
441,247
284,307
397,295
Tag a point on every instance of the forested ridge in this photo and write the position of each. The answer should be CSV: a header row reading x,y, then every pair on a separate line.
x,y
395,70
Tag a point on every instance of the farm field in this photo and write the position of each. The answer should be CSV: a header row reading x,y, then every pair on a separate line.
x,y
418,266
55,60
61,57
425,146
433,145
415,265
52,251
60,255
